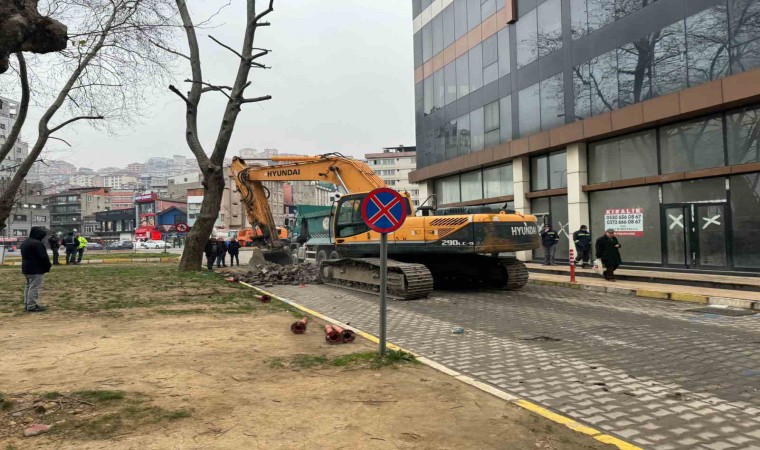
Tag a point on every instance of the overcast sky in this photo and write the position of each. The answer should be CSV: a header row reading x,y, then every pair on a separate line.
x,y
341,81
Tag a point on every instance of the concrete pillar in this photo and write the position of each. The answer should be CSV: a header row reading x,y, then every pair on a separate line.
x,y
521,178
577,176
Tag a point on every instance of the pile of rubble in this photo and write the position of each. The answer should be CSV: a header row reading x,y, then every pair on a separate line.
x,y
293,274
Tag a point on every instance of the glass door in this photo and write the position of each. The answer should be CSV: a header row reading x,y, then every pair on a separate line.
x,y
695,235
710,226
677,235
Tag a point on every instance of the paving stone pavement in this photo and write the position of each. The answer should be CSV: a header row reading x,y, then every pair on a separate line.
x,y
651,372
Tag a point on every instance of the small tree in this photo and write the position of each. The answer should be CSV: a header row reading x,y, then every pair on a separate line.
x,y
117,51
212,166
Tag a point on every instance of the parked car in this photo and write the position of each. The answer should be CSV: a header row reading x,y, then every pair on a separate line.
x,y
156,244
94,246
121,245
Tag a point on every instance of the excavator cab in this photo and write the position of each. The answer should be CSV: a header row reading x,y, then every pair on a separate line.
x,y
348,220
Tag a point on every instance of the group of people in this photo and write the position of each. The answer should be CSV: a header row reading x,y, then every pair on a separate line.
x,y
74,243
606,249
217,248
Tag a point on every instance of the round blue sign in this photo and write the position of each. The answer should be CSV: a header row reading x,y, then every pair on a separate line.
x,y
384,210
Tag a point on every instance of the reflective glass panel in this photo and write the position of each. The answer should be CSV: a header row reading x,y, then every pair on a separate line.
x,y
472,186
552,102
529,117
692,145
707,45
743,136
549,27
527,39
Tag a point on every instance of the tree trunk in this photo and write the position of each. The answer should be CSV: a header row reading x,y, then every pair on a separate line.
x,y
8,195
192,257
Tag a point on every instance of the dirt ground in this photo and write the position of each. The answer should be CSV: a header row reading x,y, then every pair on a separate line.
x,y
220,380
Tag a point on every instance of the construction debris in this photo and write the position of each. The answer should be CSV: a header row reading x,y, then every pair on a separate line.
x,y
269,273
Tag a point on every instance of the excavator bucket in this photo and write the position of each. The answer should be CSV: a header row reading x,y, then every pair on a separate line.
x,y
278,256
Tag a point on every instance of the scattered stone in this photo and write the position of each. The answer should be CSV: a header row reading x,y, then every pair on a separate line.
x,y
36,429
50,405
270,274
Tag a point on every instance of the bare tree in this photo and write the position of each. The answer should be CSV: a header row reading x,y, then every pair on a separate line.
x,y
106,74
212,166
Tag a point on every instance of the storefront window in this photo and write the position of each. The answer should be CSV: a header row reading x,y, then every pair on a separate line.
x,y
632,156
711,189
472,186
497,181
553,211
557,170
692,146
548,171
745,220
539,173
646,248
743,136
447,190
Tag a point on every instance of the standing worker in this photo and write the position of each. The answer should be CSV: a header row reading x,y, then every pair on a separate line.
x,y
81,246
221,251
582,239
608,250
35,263
71,244
233,248
210,250
549,240
54,241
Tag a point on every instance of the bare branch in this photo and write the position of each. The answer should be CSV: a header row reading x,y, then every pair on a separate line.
x,y
181,95
57,139
227,47
167,49
15,131
211,87
259,65
256,99
54,129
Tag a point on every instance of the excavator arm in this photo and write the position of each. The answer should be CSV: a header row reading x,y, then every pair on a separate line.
x,y
352,175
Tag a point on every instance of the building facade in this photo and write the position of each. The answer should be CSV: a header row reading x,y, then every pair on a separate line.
x,y
393,165
76,208
116,224
637,115
20,150
30,211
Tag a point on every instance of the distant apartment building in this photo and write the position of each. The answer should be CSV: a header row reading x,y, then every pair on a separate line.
x,y
8,166
119,181
84,180
393,165
136,168
28,212
76,208
177,185
121,199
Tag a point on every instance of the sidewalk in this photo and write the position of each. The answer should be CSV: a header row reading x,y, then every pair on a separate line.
x,y
736,298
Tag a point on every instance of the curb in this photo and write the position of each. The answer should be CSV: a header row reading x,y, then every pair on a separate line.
x,y
107,261
487,388
659,295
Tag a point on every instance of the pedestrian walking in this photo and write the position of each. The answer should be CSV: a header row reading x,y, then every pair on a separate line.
x,y
210,251
35,263
549,240
54,241
221,251
608,250
582,239
81,246
233,248
71,244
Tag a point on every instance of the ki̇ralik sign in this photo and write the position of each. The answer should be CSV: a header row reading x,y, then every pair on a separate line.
x,y
625,221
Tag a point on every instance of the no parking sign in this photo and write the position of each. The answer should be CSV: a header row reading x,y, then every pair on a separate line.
x,y
384,211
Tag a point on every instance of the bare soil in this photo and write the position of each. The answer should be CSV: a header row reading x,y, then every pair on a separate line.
x,y
204,377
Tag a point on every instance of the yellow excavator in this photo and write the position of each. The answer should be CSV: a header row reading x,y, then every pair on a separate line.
x,y
448,247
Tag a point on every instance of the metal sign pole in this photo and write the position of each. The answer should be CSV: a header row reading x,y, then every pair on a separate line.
x,y
383,288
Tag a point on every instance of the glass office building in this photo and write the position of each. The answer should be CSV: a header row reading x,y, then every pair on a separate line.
x,y
640,115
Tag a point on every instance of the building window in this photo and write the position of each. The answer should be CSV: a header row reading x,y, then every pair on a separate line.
x,y
707,44
40,218
631,156
463,76
549,27
548,171
19,233
505,118
744,34
553,211
529,118
447,190
476,130
745,222
504,55
472,186
491,119
19,217
498,181
692,145
490,60
552,102
743,136
527,39
475,58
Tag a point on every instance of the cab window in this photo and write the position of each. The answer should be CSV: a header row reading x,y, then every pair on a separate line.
x,y
349,218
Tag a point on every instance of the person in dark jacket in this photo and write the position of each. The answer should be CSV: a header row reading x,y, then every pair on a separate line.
x,y
70,243
582,239
549,240
54,241
211,252
608,250
233,248
221,251
35,263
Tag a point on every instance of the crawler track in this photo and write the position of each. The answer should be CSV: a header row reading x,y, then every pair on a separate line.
x,y
406,281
